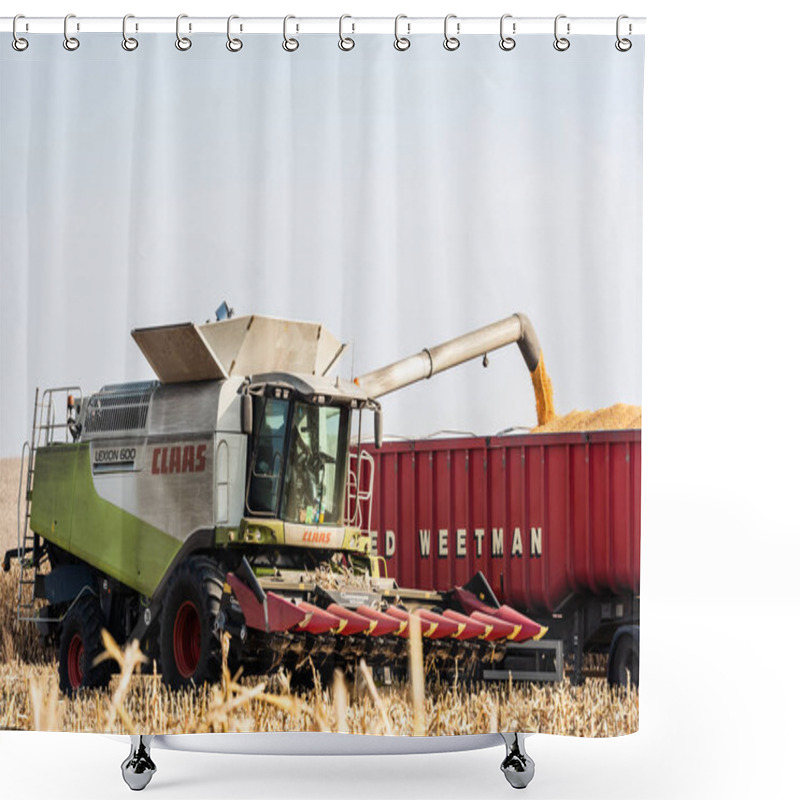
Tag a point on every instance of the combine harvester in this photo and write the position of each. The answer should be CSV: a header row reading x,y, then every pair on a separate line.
x,y
227,496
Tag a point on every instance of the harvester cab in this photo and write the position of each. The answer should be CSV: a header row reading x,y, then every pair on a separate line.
x,y
233,495
299,447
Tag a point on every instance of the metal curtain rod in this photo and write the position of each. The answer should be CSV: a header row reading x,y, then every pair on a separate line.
x,y
252,25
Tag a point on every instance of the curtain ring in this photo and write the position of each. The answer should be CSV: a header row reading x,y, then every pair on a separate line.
x,y
561,43
128,42
506,42
182,42
18,43
451,42
234,45
70,42
289,45
401,42
623,45
345,42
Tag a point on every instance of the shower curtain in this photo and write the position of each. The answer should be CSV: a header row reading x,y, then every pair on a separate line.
x,y
394,193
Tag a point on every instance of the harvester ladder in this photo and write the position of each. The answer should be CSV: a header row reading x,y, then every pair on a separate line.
x,y
26,538
46,430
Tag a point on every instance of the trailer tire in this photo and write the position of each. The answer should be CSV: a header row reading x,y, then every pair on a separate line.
x,y
190,649
80,643
623,658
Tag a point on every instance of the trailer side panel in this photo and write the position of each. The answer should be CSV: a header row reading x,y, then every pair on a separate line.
x,y
542,516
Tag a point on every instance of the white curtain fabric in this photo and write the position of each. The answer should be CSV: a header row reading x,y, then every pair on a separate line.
x,y
400,198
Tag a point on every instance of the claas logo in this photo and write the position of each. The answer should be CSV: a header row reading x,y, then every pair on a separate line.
x,y
317,537
178,459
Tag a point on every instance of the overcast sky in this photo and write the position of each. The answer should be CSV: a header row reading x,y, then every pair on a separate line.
x,y
399,198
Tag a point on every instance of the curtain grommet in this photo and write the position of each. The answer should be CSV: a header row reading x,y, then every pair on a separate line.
x,y
233,44
507,43
401,43
18,42
346,43
128,42
623,44
71,43
183,43
289,44
561,43
451,43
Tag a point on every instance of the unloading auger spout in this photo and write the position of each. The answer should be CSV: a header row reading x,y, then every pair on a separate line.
x,y
475,344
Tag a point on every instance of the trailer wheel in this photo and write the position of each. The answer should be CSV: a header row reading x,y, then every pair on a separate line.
x,y
624,658
80,644
190,649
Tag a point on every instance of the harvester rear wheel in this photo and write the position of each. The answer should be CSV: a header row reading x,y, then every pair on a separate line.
x,y
190,649
624,662
80,644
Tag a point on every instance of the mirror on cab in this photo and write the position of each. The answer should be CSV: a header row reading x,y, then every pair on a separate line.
x,y
378,427
247,414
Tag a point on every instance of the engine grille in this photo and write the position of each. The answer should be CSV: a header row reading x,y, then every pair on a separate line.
x,y
119,407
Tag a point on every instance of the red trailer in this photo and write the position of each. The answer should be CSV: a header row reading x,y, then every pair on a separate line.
x,y
551,520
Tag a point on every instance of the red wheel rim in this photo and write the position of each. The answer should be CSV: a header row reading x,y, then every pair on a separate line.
x,y
75,661
186,639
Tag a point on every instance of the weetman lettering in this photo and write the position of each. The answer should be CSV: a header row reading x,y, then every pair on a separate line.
x,y
447,543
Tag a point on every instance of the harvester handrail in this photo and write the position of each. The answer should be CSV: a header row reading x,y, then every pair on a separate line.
x,y
357,496
45,415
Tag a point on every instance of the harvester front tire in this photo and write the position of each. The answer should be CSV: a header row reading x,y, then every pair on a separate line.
x,y
80,644
190,650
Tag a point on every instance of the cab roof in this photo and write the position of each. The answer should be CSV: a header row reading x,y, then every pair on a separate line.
x,y
311,387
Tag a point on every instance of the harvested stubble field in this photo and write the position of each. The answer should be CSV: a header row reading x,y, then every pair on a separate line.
x,y
137,702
